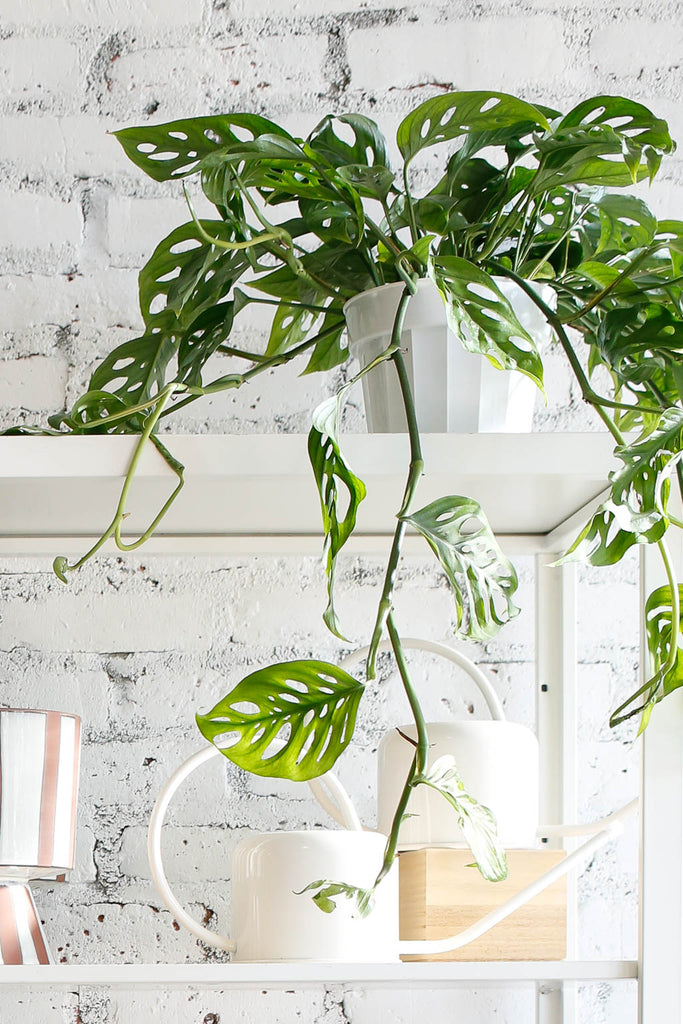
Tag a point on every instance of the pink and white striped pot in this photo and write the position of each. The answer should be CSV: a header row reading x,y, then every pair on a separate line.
x,y
39,762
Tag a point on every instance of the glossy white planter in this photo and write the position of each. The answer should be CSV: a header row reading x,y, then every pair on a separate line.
x,y
454,390
498,764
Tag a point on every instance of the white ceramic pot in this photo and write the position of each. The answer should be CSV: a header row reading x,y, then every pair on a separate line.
x,y
272,919
454,390
497,761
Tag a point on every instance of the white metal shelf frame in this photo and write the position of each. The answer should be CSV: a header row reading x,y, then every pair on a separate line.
x,y
255,494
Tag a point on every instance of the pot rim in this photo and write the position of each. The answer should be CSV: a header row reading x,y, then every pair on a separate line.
x,y
40,711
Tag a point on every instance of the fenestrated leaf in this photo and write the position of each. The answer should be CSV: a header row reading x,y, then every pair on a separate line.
x,y
626,223
477,823
329,351
630,120
371,182
291,324
290,720
175,149
641,488
458,113
368,147
483,580
138,369
187,274
602,541
202,338
640,341
332,471
665,678
479,314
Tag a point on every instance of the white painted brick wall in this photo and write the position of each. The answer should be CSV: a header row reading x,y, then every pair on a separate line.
x,y
157,642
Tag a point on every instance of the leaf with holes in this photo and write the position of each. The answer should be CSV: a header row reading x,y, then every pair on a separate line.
x,y
631,121
667,669
291,324
368,146
175,149
202,338
187,274
602,541
94,406
479,314
329,350
290,720
483,580
331,471
459,113
476,822
137,370
370,182
640,342
626,223
641,488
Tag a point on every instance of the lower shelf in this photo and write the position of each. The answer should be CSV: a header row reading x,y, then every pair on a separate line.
x,y
304,975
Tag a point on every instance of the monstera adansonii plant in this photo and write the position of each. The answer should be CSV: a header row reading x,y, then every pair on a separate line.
x,y
302,225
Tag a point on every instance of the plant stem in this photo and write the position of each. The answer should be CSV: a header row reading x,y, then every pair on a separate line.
x,y
414,474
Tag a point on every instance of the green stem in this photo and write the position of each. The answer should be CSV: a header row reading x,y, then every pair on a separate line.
x,y
114,528
414,234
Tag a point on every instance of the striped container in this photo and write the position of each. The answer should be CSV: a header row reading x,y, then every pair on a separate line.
x,y
39,761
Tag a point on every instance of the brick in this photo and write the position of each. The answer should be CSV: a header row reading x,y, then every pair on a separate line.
x,y
36,68
627,46
34,221
102,13
105,299
37,383
478,54
136,226
299,8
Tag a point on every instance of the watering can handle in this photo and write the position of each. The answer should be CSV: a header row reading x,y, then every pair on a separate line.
x,y
341,802
415,644
411,643
607,828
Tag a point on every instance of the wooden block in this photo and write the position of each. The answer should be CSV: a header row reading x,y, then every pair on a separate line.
x,y
440,895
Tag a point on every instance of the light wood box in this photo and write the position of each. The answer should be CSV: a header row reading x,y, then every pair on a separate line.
x,y
441,894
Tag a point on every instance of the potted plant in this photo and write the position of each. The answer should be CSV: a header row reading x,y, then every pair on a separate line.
x,y
304,225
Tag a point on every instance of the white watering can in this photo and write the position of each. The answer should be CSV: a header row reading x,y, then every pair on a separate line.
x,y
273,921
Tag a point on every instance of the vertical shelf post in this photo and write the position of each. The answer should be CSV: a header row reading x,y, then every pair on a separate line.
x,y
556,723
661,869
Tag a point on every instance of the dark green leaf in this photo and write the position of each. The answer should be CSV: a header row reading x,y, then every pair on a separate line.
x,y
331,471
626,223
137,370
483,580
370,182
368,148
477,823
626,118
329,351
641,488
480,315
174,150
459,113
289,721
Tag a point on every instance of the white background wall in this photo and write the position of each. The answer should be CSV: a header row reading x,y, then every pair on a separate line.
x,y
137,644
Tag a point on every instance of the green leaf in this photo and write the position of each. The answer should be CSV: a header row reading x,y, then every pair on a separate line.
x,y
626,223
290,720
665,677
187,275
331,471
202,338
291,324
136,370
477,823
327,893
368,148
175,149
483,580
458,113
371,182
602,541
480,315
329,351
59,567
641,488
626,118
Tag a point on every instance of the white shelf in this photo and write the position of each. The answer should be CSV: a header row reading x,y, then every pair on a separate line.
x,y
289,975
262,486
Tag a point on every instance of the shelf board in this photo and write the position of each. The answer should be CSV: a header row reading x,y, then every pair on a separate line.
x,y
307,975
240,486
